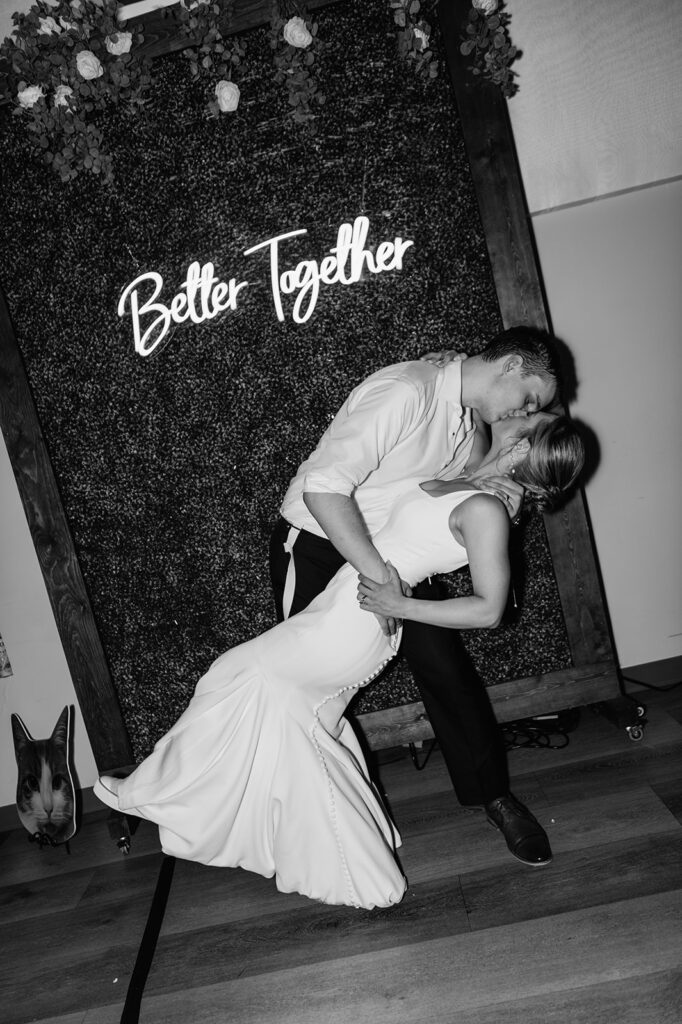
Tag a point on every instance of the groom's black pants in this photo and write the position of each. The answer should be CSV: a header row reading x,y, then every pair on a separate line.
x,y
454,695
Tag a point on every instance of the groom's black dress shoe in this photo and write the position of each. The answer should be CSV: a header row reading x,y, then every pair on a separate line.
x,y
524,835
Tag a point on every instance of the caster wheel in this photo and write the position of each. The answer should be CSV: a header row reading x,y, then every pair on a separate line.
x,y
635,732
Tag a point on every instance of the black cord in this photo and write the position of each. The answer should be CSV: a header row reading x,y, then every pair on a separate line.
x,y
145,954
651,686
529,734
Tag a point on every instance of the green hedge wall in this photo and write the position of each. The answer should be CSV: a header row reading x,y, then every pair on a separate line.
x,y
171,467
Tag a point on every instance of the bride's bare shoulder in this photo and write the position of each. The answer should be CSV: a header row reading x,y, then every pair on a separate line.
x,y
480,511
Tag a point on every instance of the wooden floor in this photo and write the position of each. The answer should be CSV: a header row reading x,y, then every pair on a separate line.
x,y
594,938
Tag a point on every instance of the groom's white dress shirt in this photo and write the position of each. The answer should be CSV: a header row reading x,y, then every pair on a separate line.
x,y
402,425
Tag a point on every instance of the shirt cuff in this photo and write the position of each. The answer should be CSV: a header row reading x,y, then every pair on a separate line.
x,y
324,483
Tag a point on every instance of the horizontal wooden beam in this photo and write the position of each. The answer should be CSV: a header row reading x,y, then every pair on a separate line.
x,y
520,698
161,26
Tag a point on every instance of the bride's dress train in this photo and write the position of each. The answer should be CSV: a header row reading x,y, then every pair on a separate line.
x,y
263,771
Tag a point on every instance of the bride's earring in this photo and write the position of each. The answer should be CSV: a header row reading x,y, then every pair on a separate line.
x,y
518,448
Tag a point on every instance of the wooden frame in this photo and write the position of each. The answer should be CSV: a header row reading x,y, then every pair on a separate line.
x,y
509,237
508,232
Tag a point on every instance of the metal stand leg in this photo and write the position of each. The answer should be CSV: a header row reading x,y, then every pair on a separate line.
x,y
415,758
120,831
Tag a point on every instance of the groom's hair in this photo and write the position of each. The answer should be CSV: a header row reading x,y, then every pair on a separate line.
x,y
536,347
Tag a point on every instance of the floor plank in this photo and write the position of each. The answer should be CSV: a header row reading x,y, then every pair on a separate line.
x,y
669,792
91,846
42,896
479,937
68,1018
439,979
578,879
84,953
641,999
305,938
470,843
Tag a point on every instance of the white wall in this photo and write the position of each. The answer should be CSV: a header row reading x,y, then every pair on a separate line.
x,y
41,683
612,273
7,7
599,111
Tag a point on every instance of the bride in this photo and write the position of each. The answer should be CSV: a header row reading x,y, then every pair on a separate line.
x,y
263,770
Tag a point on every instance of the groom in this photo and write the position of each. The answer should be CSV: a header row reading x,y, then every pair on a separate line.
x,y
405,424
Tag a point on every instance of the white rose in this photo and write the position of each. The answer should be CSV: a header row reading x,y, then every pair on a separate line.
x,y
48,26
227,94
29,96
119,43
422,37
296,33
60,95
88,65
486,7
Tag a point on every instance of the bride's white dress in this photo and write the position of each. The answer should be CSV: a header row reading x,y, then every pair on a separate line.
x,y
263,771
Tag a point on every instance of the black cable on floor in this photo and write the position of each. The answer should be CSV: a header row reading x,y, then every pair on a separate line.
x,y
529,734
145,954
548,732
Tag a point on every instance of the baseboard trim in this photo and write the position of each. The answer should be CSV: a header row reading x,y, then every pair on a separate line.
x,y
665,672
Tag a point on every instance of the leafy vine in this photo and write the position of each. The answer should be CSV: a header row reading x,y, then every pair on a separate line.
x,y
212,52
487,40
414,37
66,62
297,48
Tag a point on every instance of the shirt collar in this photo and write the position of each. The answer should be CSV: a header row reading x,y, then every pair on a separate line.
x,y
452,392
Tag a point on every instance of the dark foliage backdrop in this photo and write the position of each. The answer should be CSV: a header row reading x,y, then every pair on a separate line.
x,y
171,467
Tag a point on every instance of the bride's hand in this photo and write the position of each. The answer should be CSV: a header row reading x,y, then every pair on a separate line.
x,y
503,487
383,599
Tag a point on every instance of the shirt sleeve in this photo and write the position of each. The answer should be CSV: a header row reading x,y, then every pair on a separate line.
x,y
376,417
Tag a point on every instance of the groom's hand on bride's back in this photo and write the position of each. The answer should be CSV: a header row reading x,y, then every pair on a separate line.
x,y
442,358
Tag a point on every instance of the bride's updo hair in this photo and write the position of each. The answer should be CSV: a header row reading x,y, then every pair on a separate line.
x,y
553,463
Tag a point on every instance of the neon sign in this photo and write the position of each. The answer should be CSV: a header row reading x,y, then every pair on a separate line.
x,y
203,296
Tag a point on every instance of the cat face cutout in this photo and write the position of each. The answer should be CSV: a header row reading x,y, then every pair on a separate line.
x,y
45,791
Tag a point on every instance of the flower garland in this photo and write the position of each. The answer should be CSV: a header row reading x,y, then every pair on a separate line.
x,y
414,36
296,49
487,38
67,61
212,52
